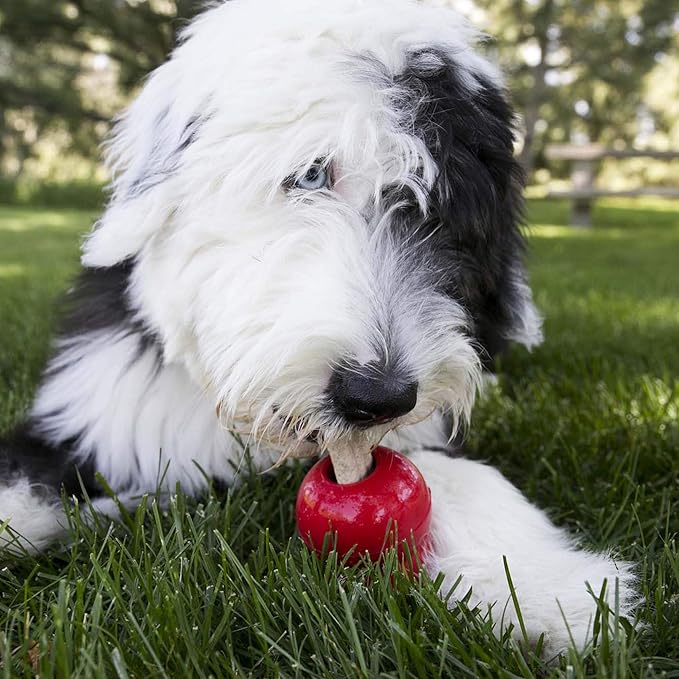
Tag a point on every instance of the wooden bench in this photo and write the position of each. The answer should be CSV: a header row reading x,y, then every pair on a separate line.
x,y
583,191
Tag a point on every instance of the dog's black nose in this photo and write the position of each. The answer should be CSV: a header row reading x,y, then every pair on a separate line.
x,y
366,395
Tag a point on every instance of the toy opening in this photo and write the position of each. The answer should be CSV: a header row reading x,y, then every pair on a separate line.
x,y
330,473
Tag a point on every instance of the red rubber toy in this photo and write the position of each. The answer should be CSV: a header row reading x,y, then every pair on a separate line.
x,y
393,497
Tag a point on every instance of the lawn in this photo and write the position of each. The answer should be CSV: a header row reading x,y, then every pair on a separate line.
x,y
587,426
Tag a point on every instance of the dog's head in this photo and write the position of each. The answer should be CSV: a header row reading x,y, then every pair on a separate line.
x,y
322,204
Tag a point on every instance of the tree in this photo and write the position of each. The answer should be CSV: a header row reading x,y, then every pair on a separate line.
x,y
47,48
577,66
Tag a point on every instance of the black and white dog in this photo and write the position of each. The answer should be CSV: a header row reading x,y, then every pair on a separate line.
x,y
313,241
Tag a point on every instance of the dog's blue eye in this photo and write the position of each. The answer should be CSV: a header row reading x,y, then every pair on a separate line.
x,y
316,177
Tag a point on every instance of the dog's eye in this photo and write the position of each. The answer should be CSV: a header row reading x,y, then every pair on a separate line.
x,y
316,177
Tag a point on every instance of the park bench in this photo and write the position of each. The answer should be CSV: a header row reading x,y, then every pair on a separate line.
x,y
583,190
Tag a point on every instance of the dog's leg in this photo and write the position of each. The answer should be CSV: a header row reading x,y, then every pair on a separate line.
x,y
32,475
479,519
31,517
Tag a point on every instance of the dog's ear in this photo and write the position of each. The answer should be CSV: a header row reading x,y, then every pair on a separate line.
x,y
143,154
493,282
504,309
467,124
506,312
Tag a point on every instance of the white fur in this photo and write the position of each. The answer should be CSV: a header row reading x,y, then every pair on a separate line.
x,y
146,425
296,69
478,518
28,521
254,293
527,326
31,518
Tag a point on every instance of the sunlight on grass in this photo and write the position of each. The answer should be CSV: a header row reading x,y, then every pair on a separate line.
x,y
621,304
11,270
560,231
21,221
640,204
662,399
557,231
645,204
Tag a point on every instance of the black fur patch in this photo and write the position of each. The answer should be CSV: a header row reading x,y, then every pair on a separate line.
x,y
475,207
164,161
97,302
51,468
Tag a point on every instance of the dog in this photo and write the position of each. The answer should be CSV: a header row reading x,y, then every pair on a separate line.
x,y
312,244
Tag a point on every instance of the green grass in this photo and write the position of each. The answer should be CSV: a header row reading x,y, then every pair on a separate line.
x,y
587,426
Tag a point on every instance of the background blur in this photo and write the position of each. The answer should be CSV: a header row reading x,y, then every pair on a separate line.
x,y
606,71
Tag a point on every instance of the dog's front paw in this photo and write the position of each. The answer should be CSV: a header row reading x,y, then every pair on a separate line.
x,y
570,592
557,596
489,539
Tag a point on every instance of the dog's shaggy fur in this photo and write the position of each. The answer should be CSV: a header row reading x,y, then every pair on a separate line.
x,y
314,204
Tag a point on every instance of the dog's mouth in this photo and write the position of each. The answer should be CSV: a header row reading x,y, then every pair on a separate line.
x,y
315,432
298,427
300,431
309,434
312,437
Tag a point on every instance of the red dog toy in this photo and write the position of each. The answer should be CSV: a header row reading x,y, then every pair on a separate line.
x,y
392,503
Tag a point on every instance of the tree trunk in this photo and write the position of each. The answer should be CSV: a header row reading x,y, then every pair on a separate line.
x,y
542,19
531,115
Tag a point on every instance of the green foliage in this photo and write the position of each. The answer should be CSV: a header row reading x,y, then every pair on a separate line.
x,y
580,67
138,36
587,426
49,77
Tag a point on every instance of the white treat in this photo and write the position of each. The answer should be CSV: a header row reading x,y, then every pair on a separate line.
x,y
351,463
